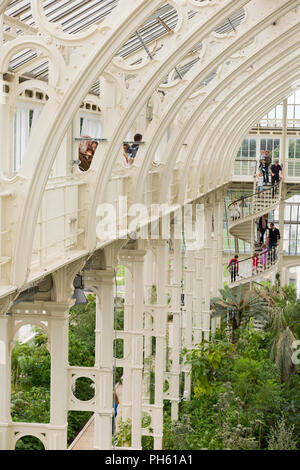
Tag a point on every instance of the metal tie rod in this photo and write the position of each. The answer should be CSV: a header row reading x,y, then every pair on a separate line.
x,y
133,142
178,73
147,50
231,24
144,45
89,139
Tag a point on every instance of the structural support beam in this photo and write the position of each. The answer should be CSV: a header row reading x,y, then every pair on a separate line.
x,y
59,341
102,282
5,379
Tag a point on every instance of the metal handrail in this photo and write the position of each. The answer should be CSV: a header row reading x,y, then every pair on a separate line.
x,y
250,257
237,274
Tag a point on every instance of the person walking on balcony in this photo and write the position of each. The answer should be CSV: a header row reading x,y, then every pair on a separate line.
x,y
273,242
233,267
263,226
276,172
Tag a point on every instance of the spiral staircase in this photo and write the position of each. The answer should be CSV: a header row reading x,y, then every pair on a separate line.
x,y
242,215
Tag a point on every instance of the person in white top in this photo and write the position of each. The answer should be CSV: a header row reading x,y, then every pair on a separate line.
x,y
235,211
260,182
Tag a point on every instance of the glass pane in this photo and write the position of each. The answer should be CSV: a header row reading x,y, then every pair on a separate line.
x,y
294,213
297,148
279,112
290,112
291,148
262,144
287,213
252,148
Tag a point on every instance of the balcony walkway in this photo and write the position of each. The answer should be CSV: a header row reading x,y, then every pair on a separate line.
x,y
85,439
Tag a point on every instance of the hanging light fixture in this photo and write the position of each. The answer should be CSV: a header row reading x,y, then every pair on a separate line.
x,y
78,291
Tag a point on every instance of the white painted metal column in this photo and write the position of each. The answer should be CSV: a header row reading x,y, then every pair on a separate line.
x,y
105,320
137,348
160,334
59,341
176,331
198,297
128,314
218,247
149,281
5,380
189,276
208,267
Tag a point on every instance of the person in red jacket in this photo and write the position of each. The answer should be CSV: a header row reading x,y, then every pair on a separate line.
x,y
233,267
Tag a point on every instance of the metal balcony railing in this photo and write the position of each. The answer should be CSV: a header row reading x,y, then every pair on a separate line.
x,y
254,204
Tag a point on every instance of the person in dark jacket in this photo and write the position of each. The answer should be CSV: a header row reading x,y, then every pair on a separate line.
x,y
273,242
263,226
276,172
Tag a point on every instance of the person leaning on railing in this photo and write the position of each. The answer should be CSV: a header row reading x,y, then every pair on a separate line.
x,y
133,149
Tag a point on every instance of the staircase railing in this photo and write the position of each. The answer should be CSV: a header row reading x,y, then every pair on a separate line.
x,y
243,210
253,266
247,206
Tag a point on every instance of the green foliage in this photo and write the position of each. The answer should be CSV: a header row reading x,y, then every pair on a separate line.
x,y
147,443
231,432
282,436
29,443
205,361
284,311
31,406
82,324
239,307
237,397
30,365
30,400
180,431
122,438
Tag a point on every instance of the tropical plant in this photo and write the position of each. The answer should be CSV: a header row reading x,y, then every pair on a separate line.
x,y
122,437
284,311
282,436
181,430
282,330
205,360
277,296
237,307
233,434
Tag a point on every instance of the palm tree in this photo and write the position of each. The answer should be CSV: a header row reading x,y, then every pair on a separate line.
x,y
238,307
284,312
283,334
277,296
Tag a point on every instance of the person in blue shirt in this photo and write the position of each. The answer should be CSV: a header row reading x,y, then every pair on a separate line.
x,y
115,408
